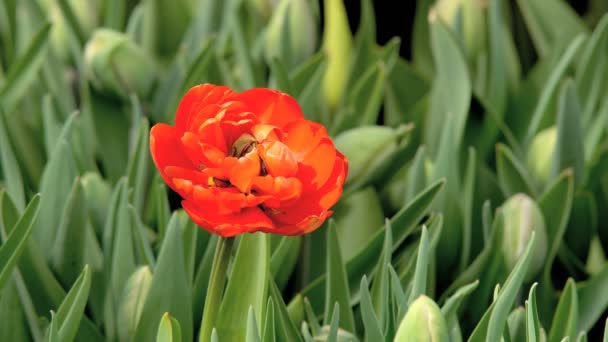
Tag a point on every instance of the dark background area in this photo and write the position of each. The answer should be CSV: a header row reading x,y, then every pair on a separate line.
x,y
396,18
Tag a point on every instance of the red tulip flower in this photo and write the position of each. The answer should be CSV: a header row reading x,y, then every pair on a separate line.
x,y
247,162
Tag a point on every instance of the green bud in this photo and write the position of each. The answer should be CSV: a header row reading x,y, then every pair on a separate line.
x,y
540,154
132,302
467,17
423,322
86,14
343,335
97,193
338,45
522,216
367,146
116,65
357,217
292,32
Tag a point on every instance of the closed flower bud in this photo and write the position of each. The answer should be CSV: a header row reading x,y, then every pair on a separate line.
x,y
86,14
343,335
337,44
116,65
423,322
540,154
97,193
367,146
292,32
522,217
468,16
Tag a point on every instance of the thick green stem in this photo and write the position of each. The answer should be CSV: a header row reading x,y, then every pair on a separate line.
x,y
213,299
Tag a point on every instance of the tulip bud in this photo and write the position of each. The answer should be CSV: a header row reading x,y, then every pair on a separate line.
x,y
86,15
367,146
292,32
468,16
357,217
337,44
343,335
540,154
116,65
97,193
423,322
522,217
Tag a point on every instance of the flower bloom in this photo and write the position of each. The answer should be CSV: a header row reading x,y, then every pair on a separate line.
x,y
247,162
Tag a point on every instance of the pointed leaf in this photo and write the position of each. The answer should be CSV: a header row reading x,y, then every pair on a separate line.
x,y
337,290
168,330
565,319
512,175
533,326
251,267
71,310
372,328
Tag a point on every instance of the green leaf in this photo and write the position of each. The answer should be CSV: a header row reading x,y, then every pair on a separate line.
x,y
71,311
279,75
373,331
252,334
592,299
533,325
67,257
337,290
305,81
451,91
512,175
380,287
285,328
132,302
284,259
468,196
550,22
555,205
13,245
492,324
366,96
74,26
251,267
269,332
9,166
419,282
332,334
550,88
169,329
569,150
565,319
53,333
403,222
24,70
57,179
169,290
215,289
138,169
114,14
452,304
312,318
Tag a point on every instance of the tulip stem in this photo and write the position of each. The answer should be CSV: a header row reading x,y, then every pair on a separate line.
x,y
215,289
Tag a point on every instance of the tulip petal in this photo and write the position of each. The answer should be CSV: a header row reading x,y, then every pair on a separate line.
x,y
166,150
279,159
271,106
302,136
244,170
247,220
195,99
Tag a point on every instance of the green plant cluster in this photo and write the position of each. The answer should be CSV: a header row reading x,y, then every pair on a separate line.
x,y
487,153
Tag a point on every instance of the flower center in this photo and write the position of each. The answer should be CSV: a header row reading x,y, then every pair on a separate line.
x,y
243,145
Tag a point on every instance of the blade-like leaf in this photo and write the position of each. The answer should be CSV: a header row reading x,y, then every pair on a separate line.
x,y
373,330
169,329
337,290
13,246
533,325
71,310
565,319
9,167
251,267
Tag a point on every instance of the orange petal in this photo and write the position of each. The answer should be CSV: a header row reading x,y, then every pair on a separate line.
x,y
195,99
302,136
263,132
167,150
279,159
280,190
271,106
317,165
246,221
245,169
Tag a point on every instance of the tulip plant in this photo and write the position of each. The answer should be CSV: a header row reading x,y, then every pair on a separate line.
x,y
254,170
